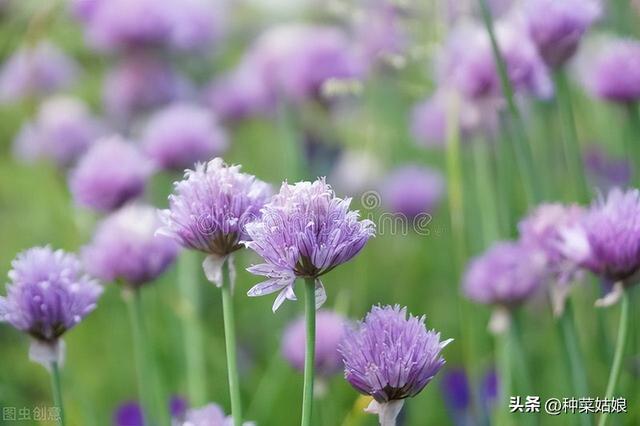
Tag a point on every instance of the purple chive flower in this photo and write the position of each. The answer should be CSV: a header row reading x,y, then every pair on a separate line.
x,y
241,94
507,274
178,407
412,190
614,74
128,414
125,247
468,65
381,32
209,415
111,173
391,357
36,71
211,206
557,26
62,131
542,230
604,171
305,231
141,83
429,119
607,240
489,389
296,60
455,387
330,327
48,294
181,135
123,25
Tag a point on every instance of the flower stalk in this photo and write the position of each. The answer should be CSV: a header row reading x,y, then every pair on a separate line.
x,y
57,391
145,388
231,345
310,349
621,342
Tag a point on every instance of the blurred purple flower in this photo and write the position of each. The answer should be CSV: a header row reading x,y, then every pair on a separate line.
x,y
614,72
455,387
296,60
111,173
467,63
557,26
305,231
330,327
48,294
507,274
211,206
62,131
391,357
605,172
178,407
542,230
128,414
209,415
412,190
125,247
381,32
122,25
489,390
607,240
140,83
181,135
35,71
241,94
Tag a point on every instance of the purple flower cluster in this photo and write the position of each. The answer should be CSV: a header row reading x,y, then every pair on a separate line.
x,y
507,274
181,135
391,357
49,293
468,64
61,132
305,231
605,171
210,208
293,61
542,230
110,174
556,27
139,83
412,190
125,247
607,239
35,71
123,25
614,74
330,328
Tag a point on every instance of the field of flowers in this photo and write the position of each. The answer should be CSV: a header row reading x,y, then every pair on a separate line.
x,y
443,192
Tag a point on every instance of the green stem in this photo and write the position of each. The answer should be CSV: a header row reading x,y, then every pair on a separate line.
x,y
633,139
293,145
57,391
572,151
192,328
573,357
230,343
486,192
310,349
145,388
503,360
619,352
518,135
